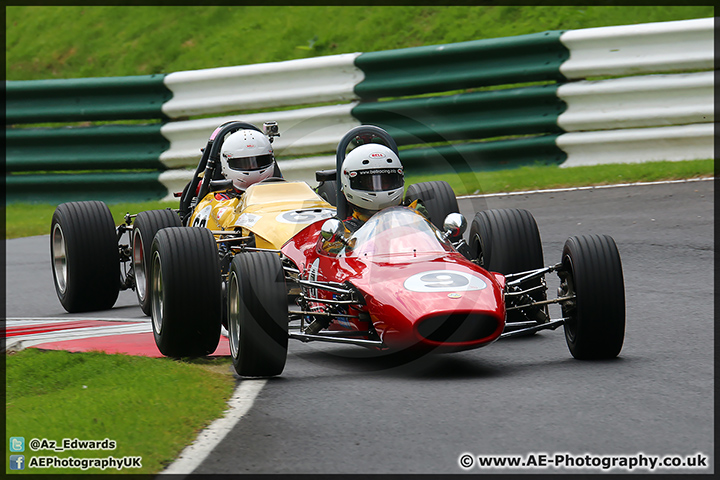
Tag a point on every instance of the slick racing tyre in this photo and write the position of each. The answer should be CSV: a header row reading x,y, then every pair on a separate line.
x,y
327,191
595,319
185,292
85,256
508,241
146,225
257,314
437,197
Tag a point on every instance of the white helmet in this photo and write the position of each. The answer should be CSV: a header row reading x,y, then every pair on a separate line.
x,y
246,157
372,177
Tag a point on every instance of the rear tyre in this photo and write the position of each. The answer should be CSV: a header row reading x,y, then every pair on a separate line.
x,y
257,314
437,197
185,292
146,225
508,241
592,271
327,191
85,256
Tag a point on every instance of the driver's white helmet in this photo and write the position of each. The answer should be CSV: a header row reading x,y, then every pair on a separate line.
x,y
372,177
246,157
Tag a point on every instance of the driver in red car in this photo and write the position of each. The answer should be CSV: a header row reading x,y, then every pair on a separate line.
x,y
372,179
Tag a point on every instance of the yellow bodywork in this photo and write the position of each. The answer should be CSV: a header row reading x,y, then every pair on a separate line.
x,y
274,212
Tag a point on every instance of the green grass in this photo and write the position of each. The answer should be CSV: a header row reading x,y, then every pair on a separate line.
x,y
45,42
23,220
545,177
151,407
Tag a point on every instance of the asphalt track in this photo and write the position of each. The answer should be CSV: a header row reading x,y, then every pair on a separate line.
x,y
339,409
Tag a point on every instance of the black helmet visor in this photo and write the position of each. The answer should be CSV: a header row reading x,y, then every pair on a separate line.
x,y
377,180
250,163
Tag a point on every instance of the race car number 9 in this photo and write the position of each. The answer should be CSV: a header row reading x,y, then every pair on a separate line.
x,y
443,281
305,216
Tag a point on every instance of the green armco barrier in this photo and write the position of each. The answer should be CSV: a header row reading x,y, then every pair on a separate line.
x,y
515,111
85,99
438,68
111,187
105,147
484,156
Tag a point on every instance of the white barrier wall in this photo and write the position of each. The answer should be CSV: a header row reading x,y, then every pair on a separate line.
x,y
635,49
635,145
304,131
266,85
641,101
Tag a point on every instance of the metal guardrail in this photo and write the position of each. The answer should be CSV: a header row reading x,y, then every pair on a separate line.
x,y
568,120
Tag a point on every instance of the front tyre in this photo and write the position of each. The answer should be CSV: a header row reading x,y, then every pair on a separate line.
x,y
595,319
85,256
508,241
257,314
146,225
185,292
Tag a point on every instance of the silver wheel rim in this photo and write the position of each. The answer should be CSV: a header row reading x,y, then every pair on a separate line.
x,y
158,307
234,315
59,254
139,265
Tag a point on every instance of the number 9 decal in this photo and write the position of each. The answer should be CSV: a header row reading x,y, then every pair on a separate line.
x,y
305,216
444,281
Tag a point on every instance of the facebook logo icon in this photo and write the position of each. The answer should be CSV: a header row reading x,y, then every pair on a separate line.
x,y
17,462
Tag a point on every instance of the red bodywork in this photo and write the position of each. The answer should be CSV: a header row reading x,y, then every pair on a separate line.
x,y
418,291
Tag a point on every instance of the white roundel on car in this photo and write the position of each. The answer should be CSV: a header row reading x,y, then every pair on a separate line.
x,y
444,281
305,216
202,216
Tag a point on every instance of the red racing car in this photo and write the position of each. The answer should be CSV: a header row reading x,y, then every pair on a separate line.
x,y
398,283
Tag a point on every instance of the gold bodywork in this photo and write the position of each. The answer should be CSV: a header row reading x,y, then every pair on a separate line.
x,y
274,212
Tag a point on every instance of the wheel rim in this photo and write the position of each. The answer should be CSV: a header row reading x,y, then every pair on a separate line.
x,y
234,315
568,284
139,265
59,253
479,258
158,307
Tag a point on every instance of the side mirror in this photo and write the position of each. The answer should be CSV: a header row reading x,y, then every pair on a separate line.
x,y
332,230
454,225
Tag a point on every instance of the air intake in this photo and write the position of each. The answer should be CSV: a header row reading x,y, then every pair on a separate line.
x,y
457,327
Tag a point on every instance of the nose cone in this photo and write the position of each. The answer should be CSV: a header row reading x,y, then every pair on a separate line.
x,y
445,305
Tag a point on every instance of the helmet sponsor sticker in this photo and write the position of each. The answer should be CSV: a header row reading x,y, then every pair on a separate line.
x,y
247,220
444,281
378,171
305,216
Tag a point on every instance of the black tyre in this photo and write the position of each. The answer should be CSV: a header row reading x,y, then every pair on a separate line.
x,y
146,225
592,271
327,191
257,314
508,241
85,256
185,292
437,197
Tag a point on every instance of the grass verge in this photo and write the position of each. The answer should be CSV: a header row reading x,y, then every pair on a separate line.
x,y
150,407
23,220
